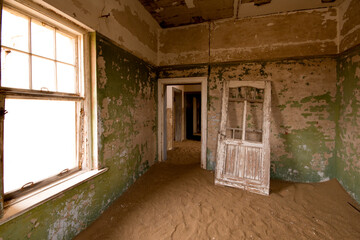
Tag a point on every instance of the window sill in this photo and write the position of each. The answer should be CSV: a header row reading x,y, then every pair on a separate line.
x,y
36,198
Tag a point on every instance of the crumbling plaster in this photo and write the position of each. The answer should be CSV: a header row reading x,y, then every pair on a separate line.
x,y
348,124
304,127
127,127
275,36
349,24
303,149
303,112
125,22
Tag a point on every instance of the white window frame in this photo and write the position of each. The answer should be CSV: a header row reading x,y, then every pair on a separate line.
x,y
86,123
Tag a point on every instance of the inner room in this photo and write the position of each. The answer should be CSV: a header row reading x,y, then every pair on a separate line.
x,y
183,123
144,119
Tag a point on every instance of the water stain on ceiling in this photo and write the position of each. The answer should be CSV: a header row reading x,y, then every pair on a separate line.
x,y
173,13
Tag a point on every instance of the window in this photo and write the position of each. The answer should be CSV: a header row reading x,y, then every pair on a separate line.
x,y
43,101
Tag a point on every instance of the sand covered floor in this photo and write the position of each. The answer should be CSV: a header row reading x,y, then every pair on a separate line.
x,y
180,201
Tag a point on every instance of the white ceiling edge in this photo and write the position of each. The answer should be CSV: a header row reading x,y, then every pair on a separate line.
x,y
281,6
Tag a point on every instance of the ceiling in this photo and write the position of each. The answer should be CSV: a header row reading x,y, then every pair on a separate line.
x,y
173,13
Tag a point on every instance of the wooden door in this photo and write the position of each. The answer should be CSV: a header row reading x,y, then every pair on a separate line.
x,y
243,153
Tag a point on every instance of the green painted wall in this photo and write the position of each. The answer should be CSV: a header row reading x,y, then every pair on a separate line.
x,y
127,145
303,112
348,125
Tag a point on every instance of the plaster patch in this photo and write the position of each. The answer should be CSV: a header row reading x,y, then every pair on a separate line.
x,y
357,73
190,3
102,74
321,174
69,217
105,108
328,16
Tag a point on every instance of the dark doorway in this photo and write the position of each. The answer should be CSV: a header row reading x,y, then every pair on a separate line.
x,y
177,114
193,115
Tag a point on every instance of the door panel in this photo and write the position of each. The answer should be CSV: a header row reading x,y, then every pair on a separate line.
x,y
243,155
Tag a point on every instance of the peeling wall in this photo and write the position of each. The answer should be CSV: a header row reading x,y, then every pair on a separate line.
x,y
127,133
349,24
184,45
294,34
176,13
128,23
251,10
303,112
348,127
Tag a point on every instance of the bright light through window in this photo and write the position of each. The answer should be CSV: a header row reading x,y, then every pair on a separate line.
x,y
15,29
10,74
39,140
51,51
42,136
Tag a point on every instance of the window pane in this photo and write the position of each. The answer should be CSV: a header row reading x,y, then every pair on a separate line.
x,y
43,74
66,78
14,69
42,39
15,30
65,48
39,140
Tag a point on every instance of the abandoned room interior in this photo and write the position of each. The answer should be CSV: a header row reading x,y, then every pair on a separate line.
x,y
180,119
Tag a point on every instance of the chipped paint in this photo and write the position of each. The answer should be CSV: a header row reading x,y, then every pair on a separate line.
x,y
127,125
284,6
129,24
179,13
349,24
190,3
303,112
348,128
184,45
275,36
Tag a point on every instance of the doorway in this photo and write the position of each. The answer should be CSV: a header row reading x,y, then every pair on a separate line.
x,y
177,114
199,123
193,115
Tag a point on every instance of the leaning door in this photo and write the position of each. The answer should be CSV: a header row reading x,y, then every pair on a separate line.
x,y
243,153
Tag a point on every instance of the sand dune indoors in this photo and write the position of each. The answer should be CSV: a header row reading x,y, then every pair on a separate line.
x,y
180,201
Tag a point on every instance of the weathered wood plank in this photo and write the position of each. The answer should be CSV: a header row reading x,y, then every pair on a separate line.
x,y
254,84
242,163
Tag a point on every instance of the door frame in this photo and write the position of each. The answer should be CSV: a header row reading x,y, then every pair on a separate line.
x,y
162,83
175,90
